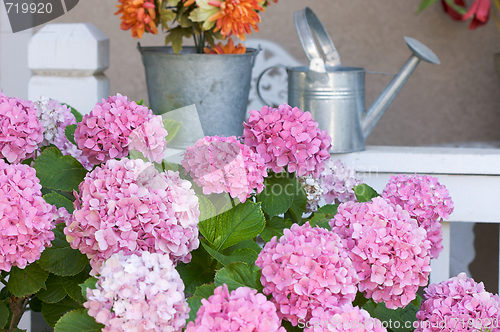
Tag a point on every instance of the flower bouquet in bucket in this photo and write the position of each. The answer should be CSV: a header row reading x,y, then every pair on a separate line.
x,y
264,232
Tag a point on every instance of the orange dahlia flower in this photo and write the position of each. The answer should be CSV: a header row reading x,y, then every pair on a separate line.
x,y
138,15
227,49
236,17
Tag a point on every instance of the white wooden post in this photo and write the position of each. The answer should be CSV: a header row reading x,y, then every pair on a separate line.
x,y
68,63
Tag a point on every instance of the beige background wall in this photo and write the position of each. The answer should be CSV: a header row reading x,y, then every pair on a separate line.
x,y
457,101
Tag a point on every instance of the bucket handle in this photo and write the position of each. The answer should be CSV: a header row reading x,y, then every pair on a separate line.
x,y
257,84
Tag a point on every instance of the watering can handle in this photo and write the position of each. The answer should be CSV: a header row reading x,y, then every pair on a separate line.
x,y
257,84
305,21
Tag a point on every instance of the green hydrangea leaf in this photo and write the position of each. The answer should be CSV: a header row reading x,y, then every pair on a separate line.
x,y
239,275
58,172
245,221
89,283
240,255
72,285
199,271
364,193
172,128
274,227
401,319
26,281
77,320
59,200
54,291
194,302
4,314
245,244
278,194
61,259
53,311
69,131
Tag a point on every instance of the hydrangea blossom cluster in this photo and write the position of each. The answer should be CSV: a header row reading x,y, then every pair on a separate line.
x,y
55,117
389,250
105,132
345,318
128,205
20,130
241,310
337,181
307,268
138,292
222,164
458,304
313,190
426,200
25,218
287,138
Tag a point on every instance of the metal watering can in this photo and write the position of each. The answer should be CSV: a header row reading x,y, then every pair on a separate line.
x,y
334,94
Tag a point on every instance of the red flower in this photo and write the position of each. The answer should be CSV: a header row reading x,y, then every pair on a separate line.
x,y
453,13
480,9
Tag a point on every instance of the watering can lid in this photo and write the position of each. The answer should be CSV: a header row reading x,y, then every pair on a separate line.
x,y
305,21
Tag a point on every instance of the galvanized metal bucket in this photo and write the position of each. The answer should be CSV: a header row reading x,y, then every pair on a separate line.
x,y
217,84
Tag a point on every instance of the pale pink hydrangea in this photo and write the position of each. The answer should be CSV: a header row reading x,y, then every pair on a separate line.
x,y
55,117
426,200
149,139
104,133
337,182
222,164
287,138
25,218
458,304
314,192
389,250
138,292
344,318
241,310
305,269
127,205
20,130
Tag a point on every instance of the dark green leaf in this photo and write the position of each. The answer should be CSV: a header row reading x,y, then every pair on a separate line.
x,y
69,131
199,271
245,244
401,319
329,209
424,4
204,291
89,283
58,172
54,291
4,294
241,255
299,203
78,115
61,259
53,311
59,200
35,304
243,222
320,220
364,193
299,328
175,37
72,286
194,302
278,194
27,281
4,314
77,320
172,128
238,275
274,227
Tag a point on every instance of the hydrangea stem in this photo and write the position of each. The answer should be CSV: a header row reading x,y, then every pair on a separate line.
x,y
17,306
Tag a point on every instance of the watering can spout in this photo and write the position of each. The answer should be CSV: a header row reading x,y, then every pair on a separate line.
x,y
382,103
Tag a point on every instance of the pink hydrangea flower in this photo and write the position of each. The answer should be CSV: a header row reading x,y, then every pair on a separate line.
x,y
138,292
344,318
25,218
104,133
20,130
222,164
287,138
305,269
337,182
127,205
242,310
426,200
389,250
458,304
149,139
55,117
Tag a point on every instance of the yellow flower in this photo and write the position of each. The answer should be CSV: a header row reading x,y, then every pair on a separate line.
x,y
138,15
236,17
228,49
